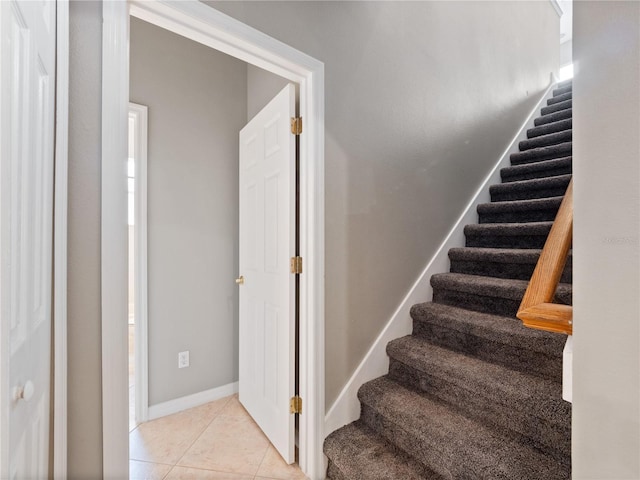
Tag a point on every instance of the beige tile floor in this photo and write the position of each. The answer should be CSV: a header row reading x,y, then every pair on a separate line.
x,y
216,441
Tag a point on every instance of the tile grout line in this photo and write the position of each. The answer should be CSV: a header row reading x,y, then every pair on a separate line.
x,y
216,415
192,443
262,461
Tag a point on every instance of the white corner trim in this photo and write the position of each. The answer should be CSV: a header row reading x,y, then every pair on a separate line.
x,y
139,113
375,363
189,401
567,370
556,6
60,243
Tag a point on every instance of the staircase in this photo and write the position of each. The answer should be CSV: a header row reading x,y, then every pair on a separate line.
x,y
472,393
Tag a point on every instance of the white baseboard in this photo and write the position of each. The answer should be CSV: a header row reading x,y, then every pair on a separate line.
x,y
346,408
189,401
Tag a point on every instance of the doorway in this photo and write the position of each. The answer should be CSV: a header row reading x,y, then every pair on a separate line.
x,y
203,24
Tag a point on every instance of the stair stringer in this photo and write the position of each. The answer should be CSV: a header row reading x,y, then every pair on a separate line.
x,y
375,363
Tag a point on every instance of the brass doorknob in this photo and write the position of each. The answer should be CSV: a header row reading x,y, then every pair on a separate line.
x,y
240,280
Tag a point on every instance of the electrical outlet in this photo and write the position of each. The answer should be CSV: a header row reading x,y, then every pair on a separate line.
x,y
183,359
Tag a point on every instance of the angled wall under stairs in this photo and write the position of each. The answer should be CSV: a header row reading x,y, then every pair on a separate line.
x,y
472,393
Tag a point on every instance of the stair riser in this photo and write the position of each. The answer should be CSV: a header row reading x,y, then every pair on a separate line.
x,y
511,356
553,117
553,438
550,128
506,195
511,176
546,140
506,241
517,271
547,215
478,303
555,108
559,98
545,153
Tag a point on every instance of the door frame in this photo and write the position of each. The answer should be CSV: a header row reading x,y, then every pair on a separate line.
x,y
141,329
60,215
204,24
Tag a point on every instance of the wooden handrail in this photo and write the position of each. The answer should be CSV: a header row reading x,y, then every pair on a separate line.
x,y
537,309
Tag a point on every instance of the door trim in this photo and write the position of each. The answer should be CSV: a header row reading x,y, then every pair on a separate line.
x,y
141,349
206,25
60,242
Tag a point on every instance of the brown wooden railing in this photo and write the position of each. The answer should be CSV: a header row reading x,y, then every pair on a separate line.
x,y
537,310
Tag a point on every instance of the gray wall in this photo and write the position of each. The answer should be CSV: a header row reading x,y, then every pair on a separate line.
x,y
197,99
421,99
262,86
606,250
84,353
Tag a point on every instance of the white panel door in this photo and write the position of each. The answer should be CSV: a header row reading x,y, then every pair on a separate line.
x,y
267,241
27,82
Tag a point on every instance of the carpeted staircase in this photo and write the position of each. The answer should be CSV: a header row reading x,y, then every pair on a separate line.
x,y
472,393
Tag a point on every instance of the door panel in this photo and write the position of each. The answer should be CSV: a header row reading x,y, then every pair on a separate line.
x,y
27,56
267,241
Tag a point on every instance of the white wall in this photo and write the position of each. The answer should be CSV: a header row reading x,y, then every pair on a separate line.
x,y
197,105
606,249
421,99
566,53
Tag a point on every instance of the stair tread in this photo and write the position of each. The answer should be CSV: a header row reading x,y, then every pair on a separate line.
x,y
360,453
499,329
520,205
442,436
497,255
533,168
559,150
553,117
546,140
560,90
527,393
561,97
508,229
532,184
558,126
491,286
556,107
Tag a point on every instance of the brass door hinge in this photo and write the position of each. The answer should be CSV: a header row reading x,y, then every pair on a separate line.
x,y
296,125
296,265
295,405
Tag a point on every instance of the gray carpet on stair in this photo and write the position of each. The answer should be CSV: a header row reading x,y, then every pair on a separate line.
x,y
493,338
545,187
472,394
554,127
542,153
553,117
545,140
543,169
